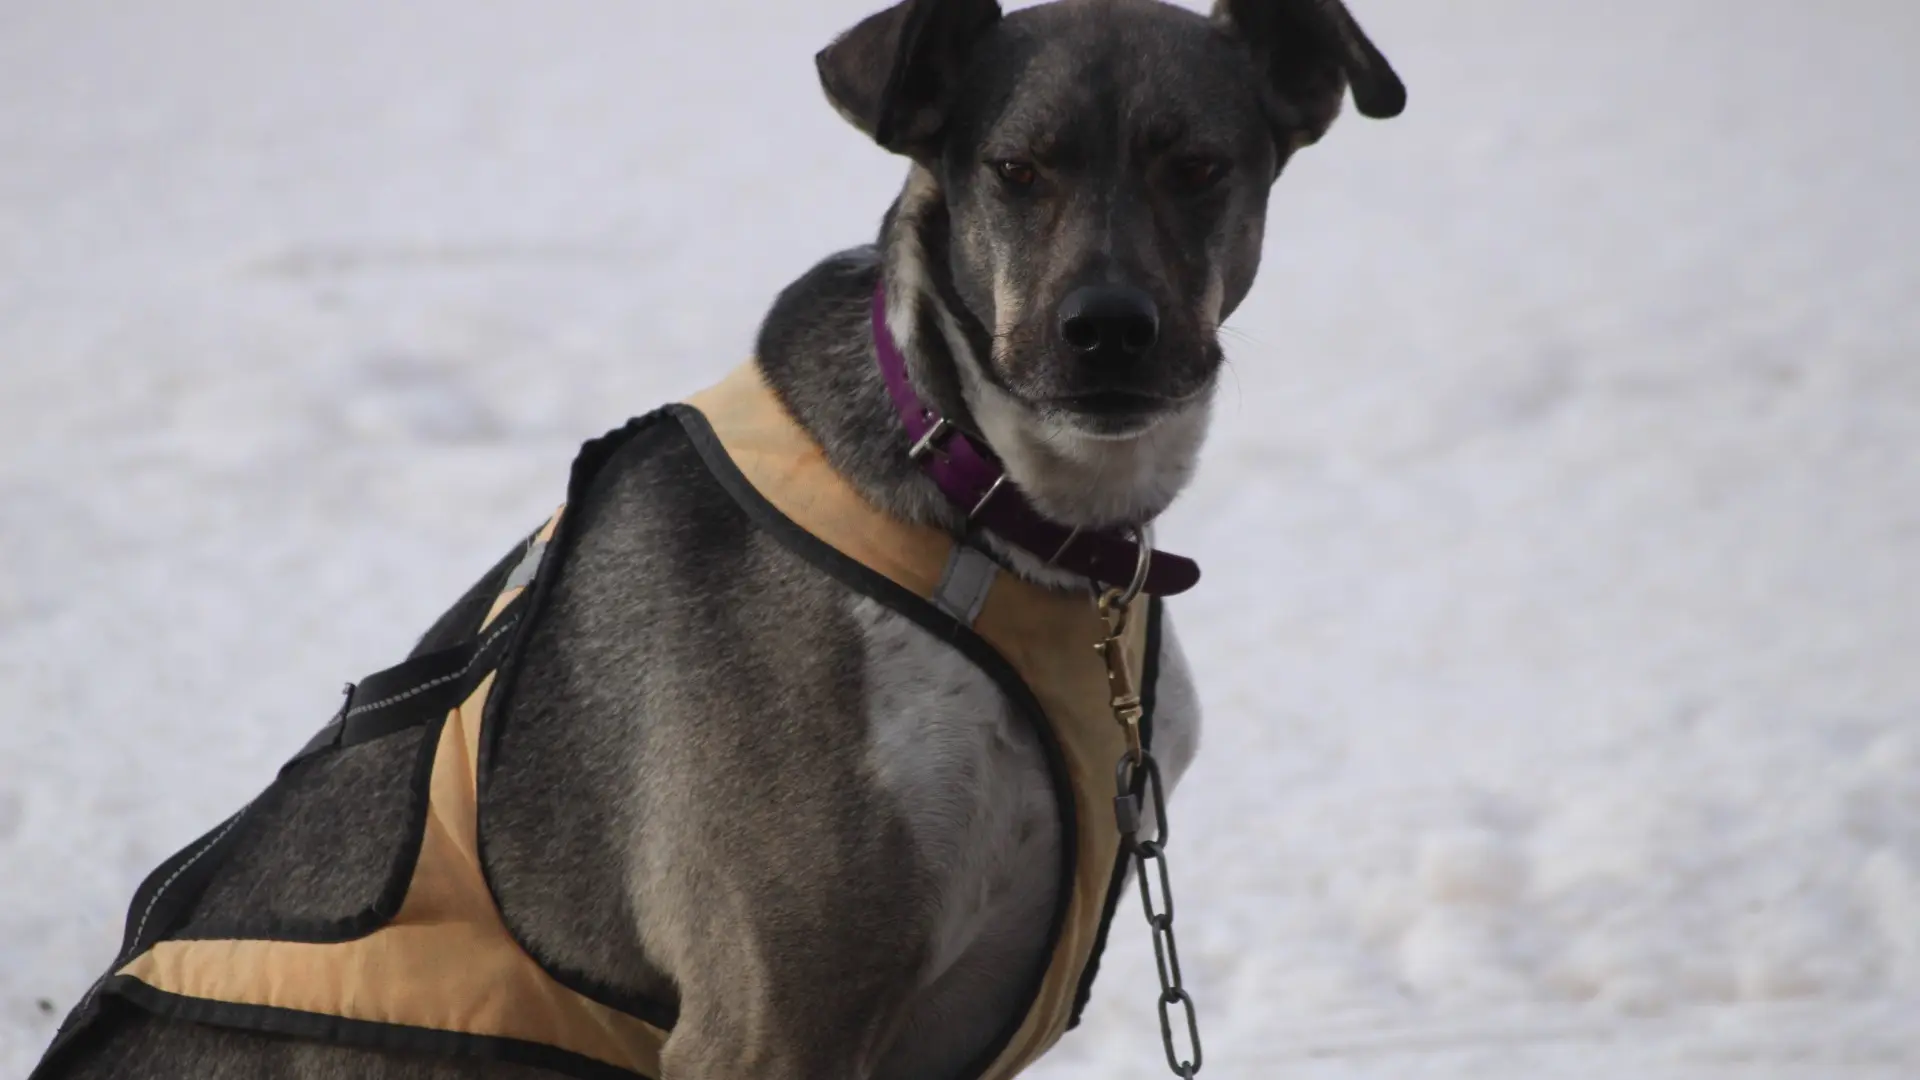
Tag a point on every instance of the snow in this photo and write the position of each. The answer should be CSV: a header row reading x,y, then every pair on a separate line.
x,y
1560,524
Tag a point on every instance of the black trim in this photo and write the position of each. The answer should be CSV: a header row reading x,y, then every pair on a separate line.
x,y
163,899
168,894
415,692
588,465
364,1034
462,619
1149,699
872,584
94,1011
428,687
392,895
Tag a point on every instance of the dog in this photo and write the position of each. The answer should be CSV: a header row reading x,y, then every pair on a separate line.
x,y
752,784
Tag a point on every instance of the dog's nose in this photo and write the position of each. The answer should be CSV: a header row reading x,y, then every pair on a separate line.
x,y
1111,319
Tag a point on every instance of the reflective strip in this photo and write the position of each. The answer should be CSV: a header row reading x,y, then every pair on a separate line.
x,y
529,566
965,584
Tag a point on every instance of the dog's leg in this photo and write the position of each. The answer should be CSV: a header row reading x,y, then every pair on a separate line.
x,y
792,918
723,1037
789,983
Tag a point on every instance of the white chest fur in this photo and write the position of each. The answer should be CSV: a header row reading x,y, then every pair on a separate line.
x,y
971,780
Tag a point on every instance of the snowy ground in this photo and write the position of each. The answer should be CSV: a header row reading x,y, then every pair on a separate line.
x,y
1562,529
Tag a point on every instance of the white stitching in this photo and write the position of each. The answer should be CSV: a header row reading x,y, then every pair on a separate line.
x,y
141,929
431,683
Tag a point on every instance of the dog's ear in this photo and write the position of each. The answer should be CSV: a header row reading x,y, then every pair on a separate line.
x,y
893,76
1309,52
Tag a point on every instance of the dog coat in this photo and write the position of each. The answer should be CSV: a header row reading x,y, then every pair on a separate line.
x,y
432,966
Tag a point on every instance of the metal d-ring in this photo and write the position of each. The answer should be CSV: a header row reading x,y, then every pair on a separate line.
x,y
1064,545
998,482
1143,543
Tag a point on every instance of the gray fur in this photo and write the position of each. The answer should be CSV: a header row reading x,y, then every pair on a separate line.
x,y
337,812
725,786
966,774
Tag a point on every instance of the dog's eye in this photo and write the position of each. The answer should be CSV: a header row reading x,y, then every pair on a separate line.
x,y
1016,174
1196,174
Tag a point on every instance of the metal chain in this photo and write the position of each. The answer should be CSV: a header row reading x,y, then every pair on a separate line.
x,y
1137,780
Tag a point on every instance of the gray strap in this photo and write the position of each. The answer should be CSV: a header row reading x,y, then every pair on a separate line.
x,y
529,566
964,586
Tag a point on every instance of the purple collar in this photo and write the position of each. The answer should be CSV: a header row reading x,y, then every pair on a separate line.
x,y
974,480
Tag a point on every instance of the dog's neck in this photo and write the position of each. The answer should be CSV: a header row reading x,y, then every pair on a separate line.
x,y
817,350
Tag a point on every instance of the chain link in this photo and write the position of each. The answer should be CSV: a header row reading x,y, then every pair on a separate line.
x,y
1141,784
1137,786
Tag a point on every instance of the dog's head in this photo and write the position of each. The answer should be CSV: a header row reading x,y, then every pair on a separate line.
x,y
1087,204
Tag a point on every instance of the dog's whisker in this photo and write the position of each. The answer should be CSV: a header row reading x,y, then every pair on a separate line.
x,y
1227,367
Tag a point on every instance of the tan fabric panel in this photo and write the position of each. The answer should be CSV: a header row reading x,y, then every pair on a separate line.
x,y
1025,623
789,470
445,962
1072,688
